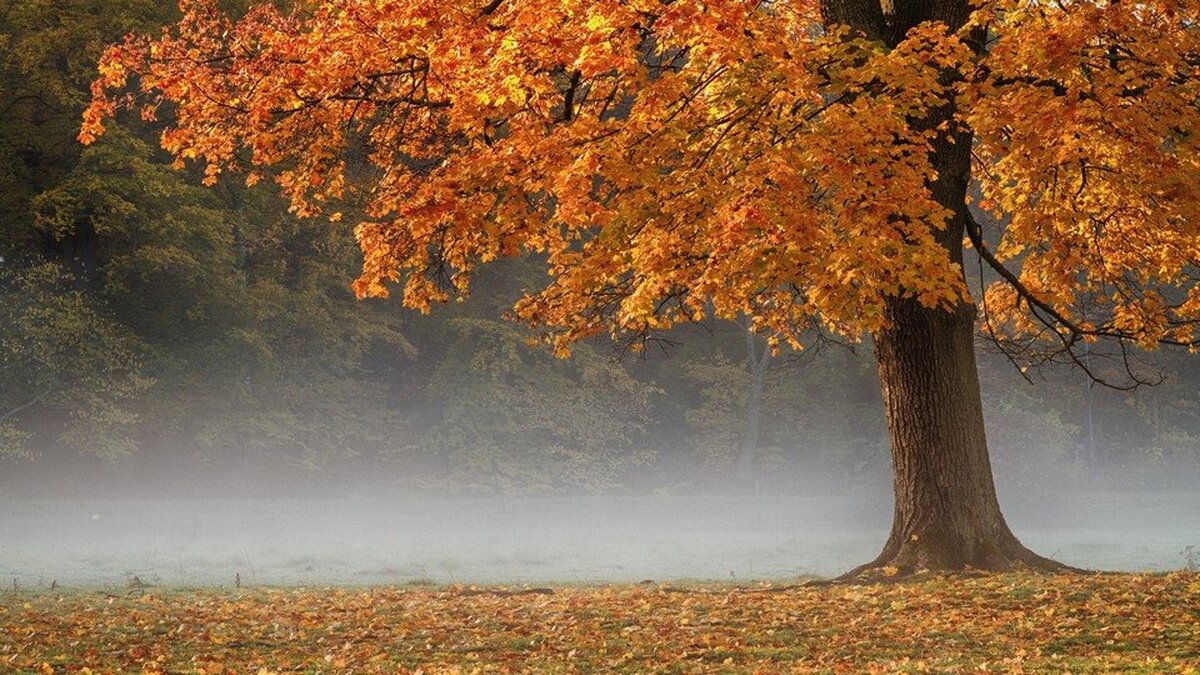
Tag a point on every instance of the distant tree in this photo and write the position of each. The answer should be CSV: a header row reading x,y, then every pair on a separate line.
x,y
510,419
729,418
793,161
143,238
717,420
62,354
758,360
71,369
47,60
184,321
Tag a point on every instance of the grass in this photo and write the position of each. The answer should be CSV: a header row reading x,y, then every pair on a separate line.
x,y
1005,623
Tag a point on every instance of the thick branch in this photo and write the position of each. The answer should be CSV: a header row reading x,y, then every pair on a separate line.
x,y
1056,321
975,234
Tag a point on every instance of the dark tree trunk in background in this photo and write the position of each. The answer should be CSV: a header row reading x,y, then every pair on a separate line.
x,y
757,363
946,515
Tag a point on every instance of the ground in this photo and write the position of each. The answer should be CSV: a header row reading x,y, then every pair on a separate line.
x,y
1005,623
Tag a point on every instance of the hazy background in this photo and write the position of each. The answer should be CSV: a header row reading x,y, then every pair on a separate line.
x,y
188,391
465,499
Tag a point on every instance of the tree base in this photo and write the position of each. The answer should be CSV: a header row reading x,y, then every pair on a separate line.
x,y
914,558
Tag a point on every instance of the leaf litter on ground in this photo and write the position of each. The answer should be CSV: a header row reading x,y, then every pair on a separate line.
x,y
1004,623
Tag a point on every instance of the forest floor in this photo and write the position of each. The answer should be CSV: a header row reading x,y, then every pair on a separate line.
x,y
1005,623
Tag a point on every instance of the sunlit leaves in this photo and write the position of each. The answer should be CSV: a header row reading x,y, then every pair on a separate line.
x,y
669,161
1086,115
673,161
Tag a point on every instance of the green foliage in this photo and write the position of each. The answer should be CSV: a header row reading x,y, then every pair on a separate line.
x,y
513,418
62,352
1031,441
840,413
157,248
820,415
719,419
225,323
48,53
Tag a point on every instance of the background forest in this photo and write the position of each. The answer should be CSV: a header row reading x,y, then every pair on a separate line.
x,y
151,327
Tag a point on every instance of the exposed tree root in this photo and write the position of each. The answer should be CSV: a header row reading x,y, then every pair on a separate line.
x,y
914,560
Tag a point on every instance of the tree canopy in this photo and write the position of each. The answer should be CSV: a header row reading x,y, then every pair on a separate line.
x,y
672,160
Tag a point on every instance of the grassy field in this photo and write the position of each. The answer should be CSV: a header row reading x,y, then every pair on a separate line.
x,y
1010,623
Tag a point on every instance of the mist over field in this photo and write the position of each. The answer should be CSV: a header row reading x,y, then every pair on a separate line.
x,y
186,542
81,521
464,455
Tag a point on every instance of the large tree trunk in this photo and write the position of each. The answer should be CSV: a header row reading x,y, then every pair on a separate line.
x,y
946,515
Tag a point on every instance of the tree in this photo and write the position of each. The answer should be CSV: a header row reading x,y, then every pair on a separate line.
x,y
63,354
47,58
797,162
758,360
513,419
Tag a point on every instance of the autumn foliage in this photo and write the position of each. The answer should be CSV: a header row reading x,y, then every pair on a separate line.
x,y
1009,624
675,160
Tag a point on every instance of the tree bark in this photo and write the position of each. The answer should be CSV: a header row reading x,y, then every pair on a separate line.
x,y
947,516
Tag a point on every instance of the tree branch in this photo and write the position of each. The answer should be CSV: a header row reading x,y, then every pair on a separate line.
x,y
31,402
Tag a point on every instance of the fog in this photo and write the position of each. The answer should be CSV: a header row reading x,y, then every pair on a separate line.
x,y
421,540
483,459
498,506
